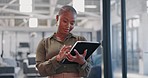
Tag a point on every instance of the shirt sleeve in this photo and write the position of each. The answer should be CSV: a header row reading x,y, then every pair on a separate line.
x,y
45,68
84,69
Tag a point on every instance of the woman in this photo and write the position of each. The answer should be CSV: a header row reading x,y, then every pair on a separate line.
x,y
53,50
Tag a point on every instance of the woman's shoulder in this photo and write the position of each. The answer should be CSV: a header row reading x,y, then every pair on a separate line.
x,y
47,38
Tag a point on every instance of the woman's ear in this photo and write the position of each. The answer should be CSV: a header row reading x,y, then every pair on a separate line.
x,y
57,17
57,20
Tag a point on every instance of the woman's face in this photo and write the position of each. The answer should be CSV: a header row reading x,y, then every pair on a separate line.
x,y
66,22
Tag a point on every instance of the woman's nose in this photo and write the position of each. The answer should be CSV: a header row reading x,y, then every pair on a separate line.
x,y
69,25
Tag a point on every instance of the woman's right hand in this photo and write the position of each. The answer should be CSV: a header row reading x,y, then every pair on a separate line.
x,y
63,52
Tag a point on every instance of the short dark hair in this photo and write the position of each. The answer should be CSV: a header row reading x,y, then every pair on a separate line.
x,y
67,8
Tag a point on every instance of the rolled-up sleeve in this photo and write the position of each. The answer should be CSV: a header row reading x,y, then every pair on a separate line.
x,y
84,69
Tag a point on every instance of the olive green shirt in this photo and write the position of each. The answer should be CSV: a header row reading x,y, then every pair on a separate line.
x,y
46,52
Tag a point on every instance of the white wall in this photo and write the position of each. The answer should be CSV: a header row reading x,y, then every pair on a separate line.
x,y
143,42
143,30
8,44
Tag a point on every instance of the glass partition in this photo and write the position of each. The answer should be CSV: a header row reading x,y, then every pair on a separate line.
x,y
136,25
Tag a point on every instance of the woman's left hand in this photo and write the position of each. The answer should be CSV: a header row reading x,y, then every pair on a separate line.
x,y
79,58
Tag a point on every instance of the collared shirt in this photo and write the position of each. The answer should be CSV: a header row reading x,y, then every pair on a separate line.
x,y
46,62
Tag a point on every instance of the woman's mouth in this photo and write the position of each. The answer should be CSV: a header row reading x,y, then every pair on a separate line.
x,y
67,30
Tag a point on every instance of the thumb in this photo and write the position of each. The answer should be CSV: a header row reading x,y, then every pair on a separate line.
x,y
77,53
85,52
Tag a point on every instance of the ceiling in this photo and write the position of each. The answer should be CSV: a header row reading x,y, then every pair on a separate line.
x,y
44,10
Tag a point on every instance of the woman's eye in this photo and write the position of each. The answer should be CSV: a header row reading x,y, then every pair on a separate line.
x,y
64,21
72,23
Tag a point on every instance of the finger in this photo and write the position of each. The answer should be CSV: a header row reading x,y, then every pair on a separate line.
x,y
66,47
71,60
63,46
77,53
70,57
62,49
85,52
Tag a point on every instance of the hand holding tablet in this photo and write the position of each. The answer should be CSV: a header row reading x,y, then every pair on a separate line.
x,y
80,46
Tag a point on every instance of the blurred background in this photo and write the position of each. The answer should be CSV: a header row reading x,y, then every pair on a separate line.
x,y
23,23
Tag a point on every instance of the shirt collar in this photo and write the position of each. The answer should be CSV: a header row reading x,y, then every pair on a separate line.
x,y
70,35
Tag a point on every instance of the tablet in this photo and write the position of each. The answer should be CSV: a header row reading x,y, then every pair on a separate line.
x,y
80,46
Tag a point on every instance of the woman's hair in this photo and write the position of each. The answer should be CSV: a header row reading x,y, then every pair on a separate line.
x,y
67,8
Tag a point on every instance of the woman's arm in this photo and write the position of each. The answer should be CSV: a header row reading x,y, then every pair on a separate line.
x,y
49,67
45,68
84,69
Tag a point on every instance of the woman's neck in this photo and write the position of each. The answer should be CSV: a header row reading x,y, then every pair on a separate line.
x,y
60,37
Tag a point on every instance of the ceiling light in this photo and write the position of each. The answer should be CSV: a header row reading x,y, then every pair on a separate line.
x,y
79,5
25,5
33,22
25,2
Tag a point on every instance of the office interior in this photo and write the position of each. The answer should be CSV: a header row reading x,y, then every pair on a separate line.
x,y
22,27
